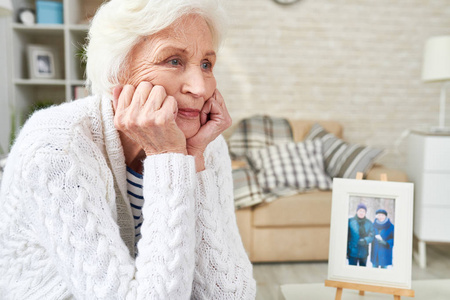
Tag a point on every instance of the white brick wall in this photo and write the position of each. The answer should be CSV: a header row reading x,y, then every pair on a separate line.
x,y
358,62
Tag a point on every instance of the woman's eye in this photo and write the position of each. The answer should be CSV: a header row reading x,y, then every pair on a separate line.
x,y
206,65
174,62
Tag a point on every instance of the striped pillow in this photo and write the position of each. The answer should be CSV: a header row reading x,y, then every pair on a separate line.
x,y
258,132
342,159
246,189
290,167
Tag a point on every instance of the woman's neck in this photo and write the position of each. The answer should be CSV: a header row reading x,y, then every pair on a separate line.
x,y
134,155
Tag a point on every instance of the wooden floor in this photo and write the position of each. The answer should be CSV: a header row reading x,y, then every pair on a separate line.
x,y
269,276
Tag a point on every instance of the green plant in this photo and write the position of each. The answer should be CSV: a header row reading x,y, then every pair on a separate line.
x,y
12,132
81,54
40,105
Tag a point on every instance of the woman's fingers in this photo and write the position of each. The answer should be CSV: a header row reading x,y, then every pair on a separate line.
x,y
214,119
126,96
156,98
218,111
218,96
140,97
206,110
116,94
147,116
169,108
129,102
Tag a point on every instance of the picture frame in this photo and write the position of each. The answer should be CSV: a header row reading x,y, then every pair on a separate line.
x,y
43,62
348,200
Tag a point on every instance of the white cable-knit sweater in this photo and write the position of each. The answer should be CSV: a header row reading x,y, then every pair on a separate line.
x,y
66,228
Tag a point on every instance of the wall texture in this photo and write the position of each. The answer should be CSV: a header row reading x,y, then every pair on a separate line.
x,y
358,62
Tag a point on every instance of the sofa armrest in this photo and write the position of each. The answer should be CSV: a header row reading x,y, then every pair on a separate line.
x,y
392,175
236,164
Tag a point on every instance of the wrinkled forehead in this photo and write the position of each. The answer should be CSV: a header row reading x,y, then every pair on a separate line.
x,y
188,28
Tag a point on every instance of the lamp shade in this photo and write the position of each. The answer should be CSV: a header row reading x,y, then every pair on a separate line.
x,y
436,60
5,7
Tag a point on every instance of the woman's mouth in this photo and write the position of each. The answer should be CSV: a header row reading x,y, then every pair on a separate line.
x,y
189,113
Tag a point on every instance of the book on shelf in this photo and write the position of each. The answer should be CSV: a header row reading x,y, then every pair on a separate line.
x,y
80,91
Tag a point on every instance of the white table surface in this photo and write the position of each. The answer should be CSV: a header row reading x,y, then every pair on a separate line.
x,y
436,289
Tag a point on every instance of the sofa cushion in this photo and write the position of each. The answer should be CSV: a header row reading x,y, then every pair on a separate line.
x,y
290,167
290,244
246,189
258,132
342,159
306,209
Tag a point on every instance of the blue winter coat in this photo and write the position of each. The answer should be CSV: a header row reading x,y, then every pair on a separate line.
x,y
382,254
353,249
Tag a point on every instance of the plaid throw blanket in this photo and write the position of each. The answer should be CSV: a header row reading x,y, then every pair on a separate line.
x,y
254,133
258,132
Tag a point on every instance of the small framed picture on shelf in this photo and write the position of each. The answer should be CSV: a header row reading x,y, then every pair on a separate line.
x,y
371,232
43,62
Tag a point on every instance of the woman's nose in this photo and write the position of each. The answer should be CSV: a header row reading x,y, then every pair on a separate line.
x,y
194,82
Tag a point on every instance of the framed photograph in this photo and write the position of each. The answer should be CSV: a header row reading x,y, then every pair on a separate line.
x,y
371,232
43,62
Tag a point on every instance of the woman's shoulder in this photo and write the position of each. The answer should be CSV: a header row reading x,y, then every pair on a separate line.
x,y
58,126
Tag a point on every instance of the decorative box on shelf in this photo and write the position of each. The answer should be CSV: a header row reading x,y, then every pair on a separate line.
x,y
49,12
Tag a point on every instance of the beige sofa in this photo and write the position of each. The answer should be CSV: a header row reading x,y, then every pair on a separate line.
x,y
295,228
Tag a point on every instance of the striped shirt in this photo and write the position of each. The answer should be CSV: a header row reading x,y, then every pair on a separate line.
x,y
135,195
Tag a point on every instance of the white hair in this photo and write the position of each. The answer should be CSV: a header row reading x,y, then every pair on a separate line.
x,y
119,25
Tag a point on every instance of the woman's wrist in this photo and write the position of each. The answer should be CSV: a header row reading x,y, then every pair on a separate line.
x,y
199,163
149,152
199,159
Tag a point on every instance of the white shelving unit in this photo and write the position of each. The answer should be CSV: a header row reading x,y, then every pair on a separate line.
x,y
66,39
429,169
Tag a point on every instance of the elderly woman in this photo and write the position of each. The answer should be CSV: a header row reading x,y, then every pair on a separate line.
x,y
128,194
383,243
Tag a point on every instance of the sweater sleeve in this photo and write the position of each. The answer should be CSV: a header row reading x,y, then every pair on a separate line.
x,y
73,217
223,270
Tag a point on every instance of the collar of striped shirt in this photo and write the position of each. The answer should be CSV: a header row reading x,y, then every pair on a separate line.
x,y
135,195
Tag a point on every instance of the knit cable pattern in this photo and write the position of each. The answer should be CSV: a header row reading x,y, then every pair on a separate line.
x,y
223,270
66,228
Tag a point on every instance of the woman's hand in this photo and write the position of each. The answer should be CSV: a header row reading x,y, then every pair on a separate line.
x,y
214,119
147,116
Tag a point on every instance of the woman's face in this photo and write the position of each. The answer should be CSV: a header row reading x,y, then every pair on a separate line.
x,y
381,217
361,213
181,59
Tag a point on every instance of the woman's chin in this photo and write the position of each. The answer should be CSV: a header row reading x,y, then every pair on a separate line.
x,y
189,127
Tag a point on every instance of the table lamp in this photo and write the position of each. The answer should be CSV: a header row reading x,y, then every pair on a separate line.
x,y
5,8
436,67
